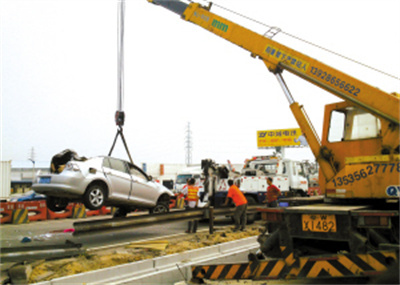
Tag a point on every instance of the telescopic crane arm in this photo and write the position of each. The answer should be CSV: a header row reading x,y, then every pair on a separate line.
x,y
278,57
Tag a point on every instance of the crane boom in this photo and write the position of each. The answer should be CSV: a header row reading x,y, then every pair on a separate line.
x,y
278,57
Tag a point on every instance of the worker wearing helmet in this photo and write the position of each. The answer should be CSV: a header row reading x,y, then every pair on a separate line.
x,y
240,201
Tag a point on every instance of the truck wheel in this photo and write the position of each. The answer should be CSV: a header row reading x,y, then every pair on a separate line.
x,y
251,217
299,193
94,197
56,204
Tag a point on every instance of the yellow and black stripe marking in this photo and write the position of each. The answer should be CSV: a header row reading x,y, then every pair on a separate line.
x,y
339,265
79,211
20,216
226,271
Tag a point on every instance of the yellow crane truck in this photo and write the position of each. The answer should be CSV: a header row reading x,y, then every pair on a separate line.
x,y
354,231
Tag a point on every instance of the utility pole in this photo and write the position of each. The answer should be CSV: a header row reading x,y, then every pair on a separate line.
x,y
188,145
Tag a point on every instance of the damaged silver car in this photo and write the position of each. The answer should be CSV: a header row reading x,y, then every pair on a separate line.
x,y
100,181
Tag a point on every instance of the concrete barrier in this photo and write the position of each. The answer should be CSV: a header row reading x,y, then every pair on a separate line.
x,y
107,210
6,212
67,213
164,270
37,210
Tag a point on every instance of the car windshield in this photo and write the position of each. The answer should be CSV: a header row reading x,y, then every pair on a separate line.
x,y
265,167
182,178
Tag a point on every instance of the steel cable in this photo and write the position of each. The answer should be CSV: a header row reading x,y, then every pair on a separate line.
x,y
305,41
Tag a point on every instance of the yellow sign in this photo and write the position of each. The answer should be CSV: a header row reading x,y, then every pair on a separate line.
x,y
283,137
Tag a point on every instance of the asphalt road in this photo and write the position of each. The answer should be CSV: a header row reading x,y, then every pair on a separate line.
x,y
57,232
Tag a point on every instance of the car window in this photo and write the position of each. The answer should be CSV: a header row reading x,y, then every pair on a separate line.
x,y
106,162
136,172
118,165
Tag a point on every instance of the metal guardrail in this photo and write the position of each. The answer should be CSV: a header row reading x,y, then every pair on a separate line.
x,y
22,254
88,227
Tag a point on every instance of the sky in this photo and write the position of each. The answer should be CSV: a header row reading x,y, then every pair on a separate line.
x,y
59,75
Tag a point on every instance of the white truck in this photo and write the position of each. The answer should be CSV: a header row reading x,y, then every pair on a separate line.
x,y
184,175
288,175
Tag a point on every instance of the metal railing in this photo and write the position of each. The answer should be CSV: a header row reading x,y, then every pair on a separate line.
x,y
87,227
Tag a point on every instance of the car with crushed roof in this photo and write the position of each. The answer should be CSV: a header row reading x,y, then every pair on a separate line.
x,y
102,181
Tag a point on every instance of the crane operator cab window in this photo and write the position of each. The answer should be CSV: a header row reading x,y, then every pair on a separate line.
x,y
353,124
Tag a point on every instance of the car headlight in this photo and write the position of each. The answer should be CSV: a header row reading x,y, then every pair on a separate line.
x,y
72,167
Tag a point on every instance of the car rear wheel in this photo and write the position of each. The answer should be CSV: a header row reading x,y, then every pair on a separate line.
x,y
56,204
94,197
160,208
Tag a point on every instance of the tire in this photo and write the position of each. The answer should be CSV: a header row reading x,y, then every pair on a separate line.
x,y
94,197
251,217
160,208
299,193
121,212
56,204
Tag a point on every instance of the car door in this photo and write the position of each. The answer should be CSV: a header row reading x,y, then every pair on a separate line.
x,y
119,179
144,191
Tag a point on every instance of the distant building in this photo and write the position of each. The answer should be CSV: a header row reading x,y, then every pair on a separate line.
x,y
23,173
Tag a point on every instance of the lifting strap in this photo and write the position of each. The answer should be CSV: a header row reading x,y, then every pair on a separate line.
x,y
120,133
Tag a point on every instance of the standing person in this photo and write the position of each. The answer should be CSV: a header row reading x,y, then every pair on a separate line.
x,y
181,200
192,198
240,201
273,194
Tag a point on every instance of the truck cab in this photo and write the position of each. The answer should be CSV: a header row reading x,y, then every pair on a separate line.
x,y
288,175
184,175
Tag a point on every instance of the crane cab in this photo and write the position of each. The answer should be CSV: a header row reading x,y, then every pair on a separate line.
x,y
365,158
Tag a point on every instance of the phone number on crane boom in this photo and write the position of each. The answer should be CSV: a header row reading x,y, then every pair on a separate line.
x,y
337,82
364,173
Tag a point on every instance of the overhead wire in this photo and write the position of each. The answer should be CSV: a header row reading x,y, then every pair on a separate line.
x,y
303,40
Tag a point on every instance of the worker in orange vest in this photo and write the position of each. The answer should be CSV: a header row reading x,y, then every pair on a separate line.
x,y
240,201
192,199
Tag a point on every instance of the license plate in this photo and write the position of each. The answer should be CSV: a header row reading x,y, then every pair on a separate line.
x,y
44,180
319,223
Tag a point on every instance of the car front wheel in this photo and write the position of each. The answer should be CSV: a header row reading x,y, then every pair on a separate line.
x,y
94,197
160,208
